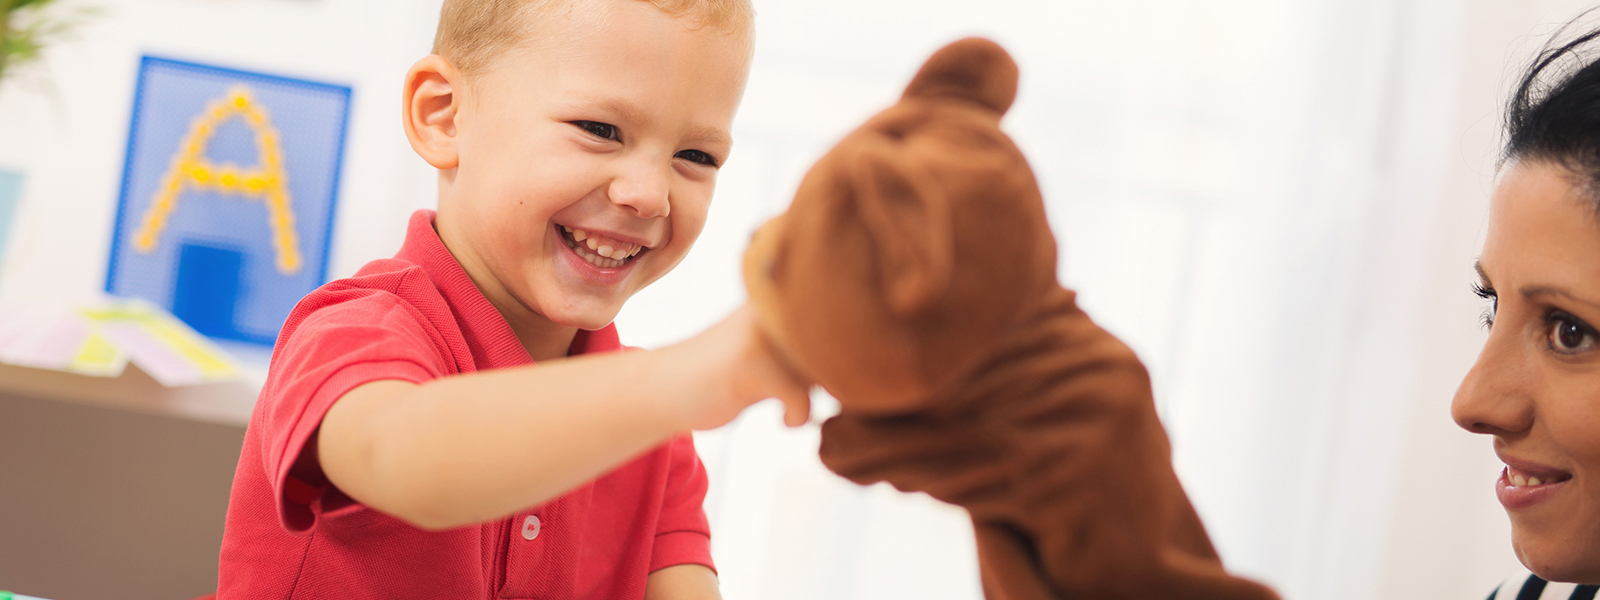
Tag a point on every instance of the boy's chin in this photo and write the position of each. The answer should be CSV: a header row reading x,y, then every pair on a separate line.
x,y
589,319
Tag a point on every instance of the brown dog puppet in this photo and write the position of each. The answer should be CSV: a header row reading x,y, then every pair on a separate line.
x,y
914,278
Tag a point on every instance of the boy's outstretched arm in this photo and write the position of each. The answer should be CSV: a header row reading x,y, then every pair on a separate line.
x,y
683,582
470,448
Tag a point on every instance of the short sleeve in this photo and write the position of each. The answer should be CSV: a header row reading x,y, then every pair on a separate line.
x,y
683,535
332,350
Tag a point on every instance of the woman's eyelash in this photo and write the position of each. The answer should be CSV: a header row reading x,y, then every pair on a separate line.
x,y
1487,293
1482,291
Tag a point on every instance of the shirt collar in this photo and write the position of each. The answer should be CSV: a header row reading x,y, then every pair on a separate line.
x,y
487,334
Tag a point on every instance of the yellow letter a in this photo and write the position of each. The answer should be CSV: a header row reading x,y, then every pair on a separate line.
x,y
191,169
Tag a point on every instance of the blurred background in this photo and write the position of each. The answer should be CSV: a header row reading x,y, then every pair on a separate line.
x,y
1276,203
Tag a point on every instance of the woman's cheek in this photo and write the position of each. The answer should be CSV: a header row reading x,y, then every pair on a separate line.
x,y
1574,422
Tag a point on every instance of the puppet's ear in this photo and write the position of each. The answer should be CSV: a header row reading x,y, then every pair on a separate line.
x,y
908,219
973,69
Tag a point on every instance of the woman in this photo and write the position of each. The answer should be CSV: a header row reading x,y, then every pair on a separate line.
x,y
1536,385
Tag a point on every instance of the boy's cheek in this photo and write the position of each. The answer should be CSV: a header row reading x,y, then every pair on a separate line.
x,y
689,217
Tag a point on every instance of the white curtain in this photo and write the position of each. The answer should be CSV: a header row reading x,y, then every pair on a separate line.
x,y
1275,202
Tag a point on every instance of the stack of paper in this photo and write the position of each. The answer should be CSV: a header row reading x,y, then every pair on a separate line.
x,y
100,339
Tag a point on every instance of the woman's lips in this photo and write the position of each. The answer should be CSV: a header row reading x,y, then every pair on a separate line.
x,y
1521,488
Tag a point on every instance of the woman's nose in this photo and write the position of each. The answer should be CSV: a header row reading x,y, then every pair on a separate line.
x,y
1496,398
643,187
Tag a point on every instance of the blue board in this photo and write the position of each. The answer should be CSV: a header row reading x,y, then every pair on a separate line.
x,y
228,194
10,197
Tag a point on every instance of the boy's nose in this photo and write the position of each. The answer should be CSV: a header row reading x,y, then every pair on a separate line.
x,y
643,188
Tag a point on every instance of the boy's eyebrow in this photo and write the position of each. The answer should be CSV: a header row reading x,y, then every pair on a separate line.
x,y
710,134
623,108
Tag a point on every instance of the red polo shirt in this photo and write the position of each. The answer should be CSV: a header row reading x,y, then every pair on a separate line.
x,y
416,317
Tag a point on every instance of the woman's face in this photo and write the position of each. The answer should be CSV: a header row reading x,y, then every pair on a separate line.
x,y
1536,385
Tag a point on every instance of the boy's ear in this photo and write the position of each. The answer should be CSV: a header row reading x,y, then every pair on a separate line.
x,y
431,105
908,219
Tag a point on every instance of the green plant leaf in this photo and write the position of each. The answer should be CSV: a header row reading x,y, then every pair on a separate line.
x,y
26,26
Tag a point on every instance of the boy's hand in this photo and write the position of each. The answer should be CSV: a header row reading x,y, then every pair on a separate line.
x,y
741,368
468,448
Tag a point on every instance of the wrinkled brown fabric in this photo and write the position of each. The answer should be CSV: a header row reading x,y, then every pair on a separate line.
x,y
1053,446
914,277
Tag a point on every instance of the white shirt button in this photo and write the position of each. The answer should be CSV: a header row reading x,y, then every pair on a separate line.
x,y
530,527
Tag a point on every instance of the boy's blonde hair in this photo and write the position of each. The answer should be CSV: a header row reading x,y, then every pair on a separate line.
x,y
473,32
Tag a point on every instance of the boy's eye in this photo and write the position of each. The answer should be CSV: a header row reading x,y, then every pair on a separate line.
x,y
1568,334
697,156
600,130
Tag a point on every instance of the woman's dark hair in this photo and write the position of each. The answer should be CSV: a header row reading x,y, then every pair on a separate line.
x,y
1554,115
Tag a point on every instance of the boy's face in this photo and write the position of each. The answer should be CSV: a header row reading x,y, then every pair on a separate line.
x,y
587,158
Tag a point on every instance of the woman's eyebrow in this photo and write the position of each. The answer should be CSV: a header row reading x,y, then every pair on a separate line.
x,y
1477,265
1537,291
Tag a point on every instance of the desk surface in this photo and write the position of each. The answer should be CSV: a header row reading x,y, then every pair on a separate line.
x,y
102,503
227,403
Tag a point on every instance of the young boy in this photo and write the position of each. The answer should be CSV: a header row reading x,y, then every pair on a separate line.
x,y
405,444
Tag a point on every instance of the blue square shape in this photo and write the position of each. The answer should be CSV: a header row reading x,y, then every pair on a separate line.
x,y
10,197
226,159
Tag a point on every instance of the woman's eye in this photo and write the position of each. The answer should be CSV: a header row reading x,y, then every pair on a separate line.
x,y
1568,334
600,130
697,156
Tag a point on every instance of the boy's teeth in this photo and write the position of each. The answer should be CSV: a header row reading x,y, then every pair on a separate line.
x,y
607,248
607,254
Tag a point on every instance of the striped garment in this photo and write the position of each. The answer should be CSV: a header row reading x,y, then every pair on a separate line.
x,y
1527,586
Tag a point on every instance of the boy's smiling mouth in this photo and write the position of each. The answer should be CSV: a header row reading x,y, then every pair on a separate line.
x,y
598,250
